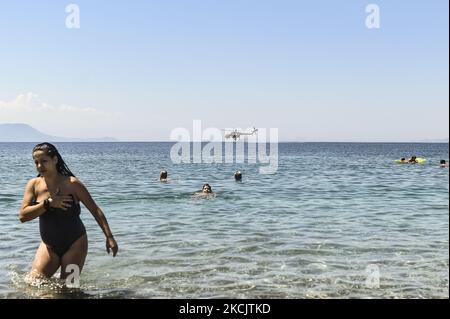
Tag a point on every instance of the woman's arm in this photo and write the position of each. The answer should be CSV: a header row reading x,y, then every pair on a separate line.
x,y
83,194
27,210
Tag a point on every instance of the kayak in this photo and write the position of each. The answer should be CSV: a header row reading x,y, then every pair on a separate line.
x,y
419,160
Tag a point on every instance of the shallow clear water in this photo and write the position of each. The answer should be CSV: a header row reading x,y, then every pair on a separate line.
x,y
315,229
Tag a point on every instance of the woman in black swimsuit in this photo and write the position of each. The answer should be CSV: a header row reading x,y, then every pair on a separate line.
x,y
54,196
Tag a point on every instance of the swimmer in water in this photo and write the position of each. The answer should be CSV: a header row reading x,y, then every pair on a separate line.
x,y
163,176
207,189
443,164
206,193
238,176
413,160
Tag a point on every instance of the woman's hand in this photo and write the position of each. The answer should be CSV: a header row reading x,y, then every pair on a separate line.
x,y
61,201
111,245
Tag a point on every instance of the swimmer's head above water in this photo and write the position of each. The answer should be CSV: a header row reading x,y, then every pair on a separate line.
x,y
238,176
48,161
206,189
163,176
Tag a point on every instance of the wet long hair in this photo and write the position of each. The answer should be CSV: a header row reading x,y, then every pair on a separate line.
x,y
51,151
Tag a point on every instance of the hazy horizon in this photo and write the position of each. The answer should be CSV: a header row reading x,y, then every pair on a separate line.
x,y
87,140
136,71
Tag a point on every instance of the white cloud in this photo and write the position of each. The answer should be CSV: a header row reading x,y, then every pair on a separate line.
x,y
31,102
25,103
63,120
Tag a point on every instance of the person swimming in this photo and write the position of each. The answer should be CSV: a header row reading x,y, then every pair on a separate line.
x,y
443,164
413,160
238,176
163,176
206,189
54,196
206,193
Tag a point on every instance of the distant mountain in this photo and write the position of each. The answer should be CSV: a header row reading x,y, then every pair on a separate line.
x,y
25,133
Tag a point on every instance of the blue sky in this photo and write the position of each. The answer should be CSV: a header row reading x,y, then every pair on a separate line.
x,y
135,70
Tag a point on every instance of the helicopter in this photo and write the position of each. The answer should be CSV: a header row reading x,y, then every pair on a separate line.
x,y
235,134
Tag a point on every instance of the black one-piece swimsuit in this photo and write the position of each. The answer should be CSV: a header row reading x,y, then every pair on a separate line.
x,y
61,228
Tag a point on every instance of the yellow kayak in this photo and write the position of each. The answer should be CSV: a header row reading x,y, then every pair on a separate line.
x,y
419,160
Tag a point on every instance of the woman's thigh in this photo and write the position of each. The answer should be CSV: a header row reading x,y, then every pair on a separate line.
x,y
45,263
76,255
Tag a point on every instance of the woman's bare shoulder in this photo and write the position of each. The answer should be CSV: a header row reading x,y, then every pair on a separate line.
x,y
32,185
33,182
73,180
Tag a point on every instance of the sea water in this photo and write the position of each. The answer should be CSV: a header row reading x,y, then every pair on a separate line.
x,y
336,220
